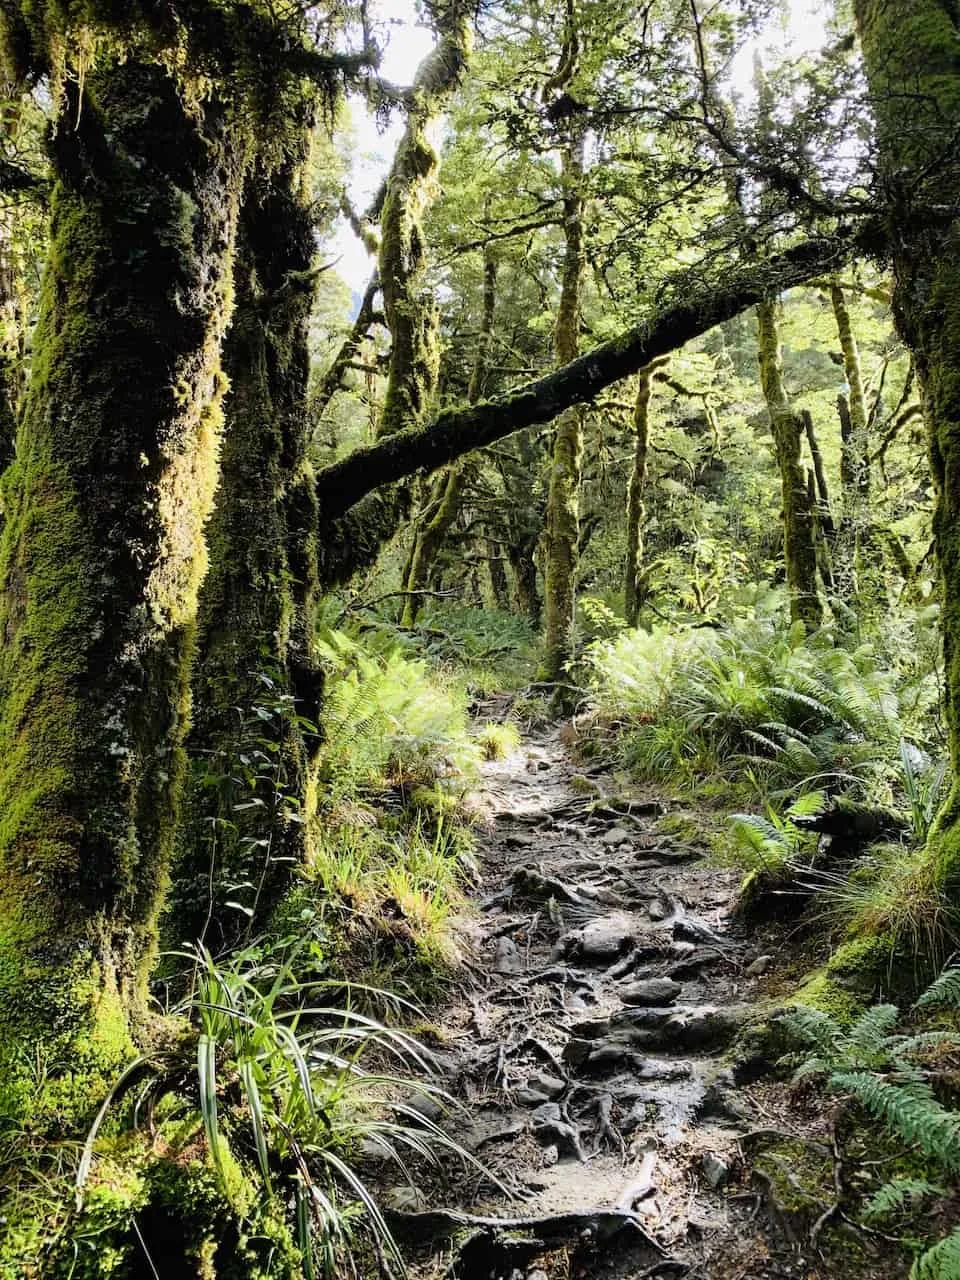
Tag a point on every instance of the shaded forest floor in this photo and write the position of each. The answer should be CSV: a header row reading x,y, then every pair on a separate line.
x,y
600,1056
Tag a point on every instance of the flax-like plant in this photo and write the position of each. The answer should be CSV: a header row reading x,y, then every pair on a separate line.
x,y
292,1078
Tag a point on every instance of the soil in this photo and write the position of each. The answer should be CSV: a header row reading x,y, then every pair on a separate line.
x,y
598,1065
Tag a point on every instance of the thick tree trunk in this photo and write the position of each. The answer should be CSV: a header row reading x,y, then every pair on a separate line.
x,y
563,502
103,552
799,549
255,678
911,51
633,584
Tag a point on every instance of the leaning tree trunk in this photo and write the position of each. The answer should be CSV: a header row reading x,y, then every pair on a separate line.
x,y
633,584
562,529
256,684
447,489
799,547
911,51
103,552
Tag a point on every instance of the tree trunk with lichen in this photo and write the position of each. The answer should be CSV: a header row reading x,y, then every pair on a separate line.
x,y
102,555
911,52
633,580
562,526
799,548
448,487
256,685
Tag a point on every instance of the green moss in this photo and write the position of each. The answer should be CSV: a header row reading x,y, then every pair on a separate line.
x,y
100,557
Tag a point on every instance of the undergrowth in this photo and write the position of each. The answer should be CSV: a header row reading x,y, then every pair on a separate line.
x,y
905,1081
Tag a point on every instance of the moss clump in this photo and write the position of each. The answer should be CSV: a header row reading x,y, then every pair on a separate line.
x,y
148,1197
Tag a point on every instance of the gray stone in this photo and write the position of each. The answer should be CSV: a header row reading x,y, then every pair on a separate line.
x,y
692,964
426,1106
689,930
547,1113
507,958
405,1199
606,938
656,910
615,836
551,1155
651,991
550,1085
760,965
715,1171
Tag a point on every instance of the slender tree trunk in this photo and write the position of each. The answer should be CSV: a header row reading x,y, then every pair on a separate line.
x,y
563,502
826,529
857,553
448,487
633,584
911,51
787,426
255,678
103,552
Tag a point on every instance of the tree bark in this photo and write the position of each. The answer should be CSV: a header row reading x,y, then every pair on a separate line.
x,y
448,488
799,548
633,585
102,553
255,677
911,51
856,550
561,531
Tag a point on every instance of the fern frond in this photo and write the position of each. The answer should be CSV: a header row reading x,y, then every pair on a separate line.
x,y
942,1262
898,1194
815,1028
944,990
867,1041
910,1110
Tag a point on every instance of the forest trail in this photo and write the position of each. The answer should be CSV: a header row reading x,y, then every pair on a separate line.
x,y
593,1056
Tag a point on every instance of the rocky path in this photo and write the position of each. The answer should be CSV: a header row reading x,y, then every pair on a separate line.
x,y
593,1056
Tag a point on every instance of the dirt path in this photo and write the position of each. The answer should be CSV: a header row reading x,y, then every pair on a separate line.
x,y
594,1058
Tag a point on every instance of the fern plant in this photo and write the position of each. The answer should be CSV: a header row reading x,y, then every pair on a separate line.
x,y
880,1069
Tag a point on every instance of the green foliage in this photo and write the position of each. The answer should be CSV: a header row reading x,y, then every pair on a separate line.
x,y
387,718
886,1073
286,1098
797,713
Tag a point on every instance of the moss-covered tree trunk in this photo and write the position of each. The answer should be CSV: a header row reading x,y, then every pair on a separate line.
x,y
103,552
911,51
255,679
562,528
799,547
447,489
633,577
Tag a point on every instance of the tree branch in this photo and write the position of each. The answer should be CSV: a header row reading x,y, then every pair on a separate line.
x,y
458,431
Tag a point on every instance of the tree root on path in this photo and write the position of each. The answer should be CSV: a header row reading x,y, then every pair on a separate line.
x,y
493,1245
